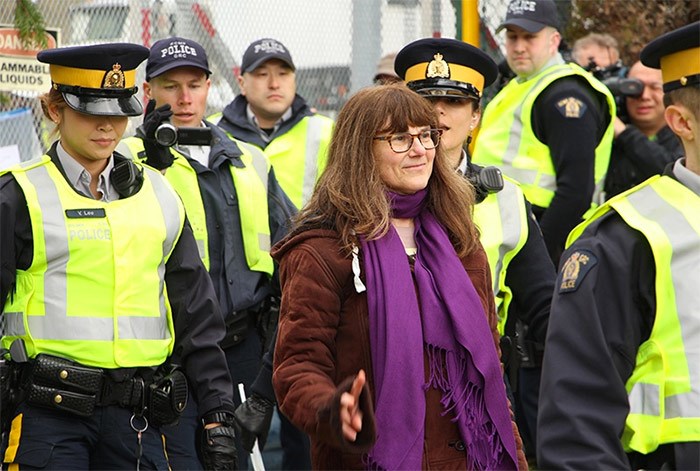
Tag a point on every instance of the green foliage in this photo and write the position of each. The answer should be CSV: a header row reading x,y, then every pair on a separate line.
x,y
632,22
30,23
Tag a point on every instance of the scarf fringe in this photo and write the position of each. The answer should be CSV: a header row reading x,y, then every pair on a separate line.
x,y
484,448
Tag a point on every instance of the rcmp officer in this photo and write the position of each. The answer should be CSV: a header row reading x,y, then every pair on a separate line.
x,y
233,201
550,128
621,373
101,284
452,75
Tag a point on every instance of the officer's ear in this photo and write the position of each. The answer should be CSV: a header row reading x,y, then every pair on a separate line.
x,y
682,122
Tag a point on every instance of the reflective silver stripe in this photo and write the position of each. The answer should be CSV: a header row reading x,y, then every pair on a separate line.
x,y
56,324
644,399
314,133
685,260
509,211
260,164
525,176
13,324
168,202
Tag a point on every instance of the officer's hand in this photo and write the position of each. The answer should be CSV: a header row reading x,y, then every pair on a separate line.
x,y
219,448
253,418
157,156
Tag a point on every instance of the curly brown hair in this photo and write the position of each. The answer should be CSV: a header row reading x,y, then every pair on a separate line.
x,y
351,196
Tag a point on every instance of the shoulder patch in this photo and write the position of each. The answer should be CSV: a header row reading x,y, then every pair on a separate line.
x,y
575,270
571,107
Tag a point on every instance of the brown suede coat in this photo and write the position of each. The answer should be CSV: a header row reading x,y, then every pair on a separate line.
x,y
323,341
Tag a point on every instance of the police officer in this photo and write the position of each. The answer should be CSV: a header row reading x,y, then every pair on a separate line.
x,y
101,283
452,75
269,114
621,375
233,201
550,128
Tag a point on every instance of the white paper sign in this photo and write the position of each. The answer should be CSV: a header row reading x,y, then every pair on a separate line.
x,y
9,156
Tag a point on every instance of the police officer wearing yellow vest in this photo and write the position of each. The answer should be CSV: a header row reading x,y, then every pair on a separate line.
x,y
621,374
269,114
233,201
101,284
550,128
452,75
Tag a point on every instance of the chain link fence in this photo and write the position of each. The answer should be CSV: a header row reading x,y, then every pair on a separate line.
x,y
335,44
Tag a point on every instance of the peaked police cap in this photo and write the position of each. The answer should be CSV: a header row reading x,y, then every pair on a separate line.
x,y
97,79
445,67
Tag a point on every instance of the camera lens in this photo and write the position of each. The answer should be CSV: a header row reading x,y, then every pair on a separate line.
x,y
166,134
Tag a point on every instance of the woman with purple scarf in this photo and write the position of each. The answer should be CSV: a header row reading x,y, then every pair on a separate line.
x,y
387,351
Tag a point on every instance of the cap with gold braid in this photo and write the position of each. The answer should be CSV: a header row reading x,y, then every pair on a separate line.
x,y
98,79
677,54
443,67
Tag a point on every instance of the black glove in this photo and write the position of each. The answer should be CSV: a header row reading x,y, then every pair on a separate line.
x,y
253,418
219,448
157,156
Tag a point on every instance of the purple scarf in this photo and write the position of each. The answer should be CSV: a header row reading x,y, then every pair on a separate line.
x,y
449,322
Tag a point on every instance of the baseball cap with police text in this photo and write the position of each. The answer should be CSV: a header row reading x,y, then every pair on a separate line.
x,y
170,53
263,50
531,15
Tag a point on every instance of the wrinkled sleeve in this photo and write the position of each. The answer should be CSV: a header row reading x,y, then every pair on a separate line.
x,y
304,359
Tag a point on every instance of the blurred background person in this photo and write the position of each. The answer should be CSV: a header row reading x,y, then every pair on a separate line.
x,y
596,50
385,70
643,143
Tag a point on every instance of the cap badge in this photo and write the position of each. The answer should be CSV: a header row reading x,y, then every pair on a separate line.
x,y
114,78
438,67
684,81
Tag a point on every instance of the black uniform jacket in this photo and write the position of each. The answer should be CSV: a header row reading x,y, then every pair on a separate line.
x,y
199,326
571,142
596,326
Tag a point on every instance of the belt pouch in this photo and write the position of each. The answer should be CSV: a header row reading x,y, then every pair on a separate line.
x,y
55,371
53,398
167,398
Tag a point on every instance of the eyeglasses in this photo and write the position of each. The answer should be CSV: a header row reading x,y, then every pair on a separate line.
x,y
402,141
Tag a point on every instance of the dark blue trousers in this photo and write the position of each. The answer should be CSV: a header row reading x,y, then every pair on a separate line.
x,y
47,439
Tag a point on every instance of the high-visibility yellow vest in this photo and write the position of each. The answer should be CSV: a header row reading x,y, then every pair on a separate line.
x,y
507,140
95,291
299,156
502,222
664,388
250,183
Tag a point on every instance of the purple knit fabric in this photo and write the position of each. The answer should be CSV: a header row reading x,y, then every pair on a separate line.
x,y
449,323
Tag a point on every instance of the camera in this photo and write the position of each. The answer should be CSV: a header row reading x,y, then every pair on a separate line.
x,y
168,135
619,85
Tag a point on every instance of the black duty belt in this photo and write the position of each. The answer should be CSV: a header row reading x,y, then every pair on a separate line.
x,y
63,384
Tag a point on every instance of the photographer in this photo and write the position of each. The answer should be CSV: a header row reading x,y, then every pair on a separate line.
x,y
643,144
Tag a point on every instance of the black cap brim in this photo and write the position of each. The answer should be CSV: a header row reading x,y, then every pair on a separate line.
x,y
443,88
528,25
267,58
101,106
176,65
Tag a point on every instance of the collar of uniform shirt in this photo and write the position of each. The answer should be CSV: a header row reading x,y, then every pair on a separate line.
x,y
81,178
690,179
254,121
556,59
